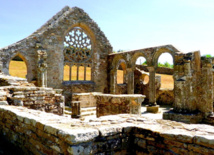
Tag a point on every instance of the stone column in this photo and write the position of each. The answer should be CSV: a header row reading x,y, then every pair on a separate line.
x,y
130,82
42,68
1,67
206,105
152,107
113,81
75,106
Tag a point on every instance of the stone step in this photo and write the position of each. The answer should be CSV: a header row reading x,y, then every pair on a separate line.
x,y
83,114
84,111
67,112
90,113
68,108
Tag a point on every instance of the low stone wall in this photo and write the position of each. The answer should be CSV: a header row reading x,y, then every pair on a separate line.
x,y
44,99
108,104
70,87
160,70
165,96
86,99
121,89
38,132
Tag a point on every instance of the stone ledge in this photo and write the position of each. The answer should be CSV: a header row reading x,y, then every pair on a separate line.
x,y
44,132
181,117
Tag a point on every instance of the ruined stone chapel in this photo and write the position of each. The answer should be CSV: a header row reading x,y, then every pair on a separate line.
x,y
72,40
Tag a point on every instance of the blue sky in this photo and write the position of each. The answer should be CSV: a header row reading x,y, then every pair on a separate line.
x,y
128,24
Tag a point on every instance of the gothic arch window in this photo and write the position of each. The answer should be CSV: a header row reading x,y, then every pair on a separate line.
x,y
77,55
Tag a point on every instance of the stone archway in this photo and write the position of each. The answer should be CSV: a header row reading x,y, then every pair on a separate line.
x,y
113,72
19,63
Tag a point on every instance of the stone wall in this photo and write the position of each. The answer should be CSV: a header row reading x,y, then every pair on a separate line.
x,y
121,89
50,39
86,99
44,133
165,96
69,89
43,99
108,104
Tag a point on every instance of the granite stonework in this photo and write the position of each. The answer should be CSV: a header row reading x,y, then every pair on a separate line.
x,y
50,39
52,47
193,89
37,132
110,104
17,91
86,99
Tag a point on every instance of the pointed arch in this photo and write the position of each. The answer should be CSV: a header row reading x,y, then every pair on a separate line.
x,y
18,68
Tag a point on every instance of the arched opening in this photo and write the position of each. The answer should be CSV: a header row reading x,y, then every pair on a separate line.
x,y
78,55
165,70
141,77
141,61
18,67
121,73
141,70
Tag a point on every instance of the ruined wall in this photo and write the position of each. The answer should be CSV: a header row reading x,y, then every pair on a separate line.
x,y
107,104
44,133
17,91
50,38
121,89
193,84
165,97
43,99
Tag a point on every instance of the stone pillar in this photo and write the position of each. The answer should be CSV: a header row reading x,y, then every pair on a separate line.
x,y
130,82
75,106
42,68
206,105
113,81
152,107
1,66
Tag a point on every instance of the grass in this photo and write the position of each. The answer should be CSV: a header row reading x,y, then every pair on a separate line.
x,y
166,80
19,69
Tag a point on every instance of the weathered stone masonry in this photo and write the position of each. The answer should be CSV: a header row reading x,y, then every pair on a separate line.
x,y
45,133
50,38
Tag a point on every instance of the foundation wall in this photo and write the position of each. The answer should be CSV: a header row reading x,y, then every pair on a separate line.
x,y
38,98
108,104
44,133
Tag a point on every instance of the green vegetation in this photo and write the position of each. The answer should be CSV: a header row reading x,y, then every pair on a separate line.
x,y
208,56
145,63
166,64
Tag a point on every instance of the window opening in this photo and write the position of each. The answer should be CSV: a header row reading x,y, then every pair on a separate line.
x,y
78,55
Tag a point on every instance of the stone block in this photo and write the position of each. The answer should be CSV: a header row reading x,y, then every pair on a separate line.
x,y
75,106
152,109
3,103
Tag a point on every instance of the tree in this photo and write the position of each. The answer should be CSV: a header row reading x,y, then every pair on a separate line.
x,y
144,63
208,56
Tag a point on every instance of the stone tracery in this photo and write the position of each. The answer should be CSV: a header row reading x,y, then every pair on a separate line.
x,y
77,51
77,47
